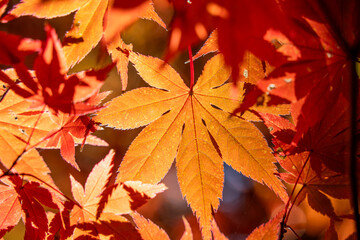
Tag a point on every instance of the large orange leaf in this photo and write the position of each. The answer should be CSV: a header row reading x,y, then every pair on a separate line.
x,y
185,124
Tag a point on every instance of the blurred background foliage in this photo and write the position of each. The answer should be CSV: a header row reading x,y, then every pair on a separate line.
x,y
245,204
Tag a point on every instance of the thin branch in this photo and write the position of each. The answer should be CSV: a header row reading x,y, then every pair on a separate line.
x,y
287,210
293,203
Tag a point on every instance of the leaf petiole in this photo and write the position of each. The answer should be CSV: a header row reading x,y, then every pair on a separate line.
x,y
191,69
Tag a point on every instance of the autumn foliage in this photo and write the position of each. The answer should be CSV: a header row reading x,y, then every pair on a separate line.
x,y
277,100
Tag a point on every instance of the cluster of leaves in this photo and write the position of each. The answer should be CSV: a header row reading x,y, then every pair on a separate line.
x,y
274,58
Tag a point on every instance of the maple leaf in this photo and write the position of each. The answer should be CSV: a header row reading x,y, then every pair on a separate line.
x,y
118,199
68,128
88,198
186,123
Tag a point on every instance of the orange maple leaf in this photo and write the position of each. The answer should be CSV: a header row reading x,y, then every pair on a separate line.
x,y
114,200
186,125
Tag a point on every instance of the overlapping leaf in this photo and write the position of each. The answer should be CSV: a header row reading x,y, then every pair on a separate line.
x,y
186,123
320,57
70,131
318,161
22,128
52,87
